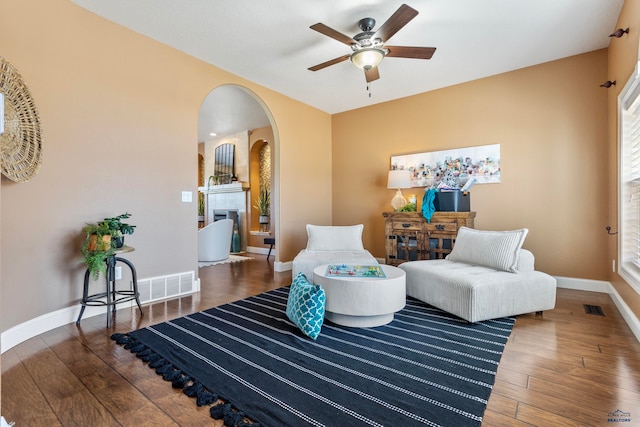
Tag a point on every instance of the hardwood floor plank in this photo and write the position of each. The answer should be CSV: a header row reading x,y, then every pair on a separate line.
x,y
508,375
9,360
30,347
579,376
544,340
623,366
502,405
16,379
184,410
545,353
539,417
516,359
563,405
127,404
597,399
496,419
73,404
133,370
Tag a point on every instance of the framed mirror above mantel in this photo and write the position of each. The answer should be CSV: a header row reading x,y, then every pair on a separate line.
x,y
224,164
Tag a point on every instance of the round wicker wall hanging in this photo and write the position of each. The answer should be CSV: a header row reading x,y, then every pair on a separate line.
x,y
21,142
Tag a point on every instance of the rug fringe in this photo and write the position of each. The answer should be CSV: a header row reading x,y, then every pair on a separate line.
x,y
181,382
158,364
144,353
192,390
230,416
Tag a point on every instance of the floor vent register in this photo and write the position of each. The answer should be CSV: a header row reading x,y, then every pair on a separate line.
x,y
593,309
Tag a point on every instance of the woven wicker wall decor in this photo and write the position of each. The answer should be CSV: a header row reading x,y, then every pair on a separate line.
x,y
21,142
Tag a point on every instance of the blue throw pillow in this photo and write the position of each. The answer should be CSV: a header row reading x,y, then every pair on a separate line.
x,y
305,306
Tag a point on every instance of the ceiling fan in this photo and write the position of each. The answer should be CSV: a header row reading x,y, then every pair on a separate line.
x,y
368,46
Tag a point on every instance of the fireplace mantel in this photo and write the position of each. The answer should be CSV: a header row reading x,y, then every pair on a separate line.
x,y
225,188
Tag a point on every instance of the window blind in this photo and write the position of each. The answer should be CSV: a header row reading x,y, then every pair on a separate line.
x,y
629,200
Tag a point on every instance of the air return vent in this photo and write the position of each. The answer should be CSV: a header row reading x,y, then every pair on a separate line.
x,y
593,309
165,287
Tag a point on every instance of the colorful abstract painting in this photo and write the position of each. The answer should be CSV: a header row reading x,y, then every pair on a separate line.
x,y
481,163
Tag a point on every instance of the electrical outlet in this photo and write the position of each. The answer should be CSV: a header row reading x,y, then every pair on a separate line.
x,y
187,196
118,273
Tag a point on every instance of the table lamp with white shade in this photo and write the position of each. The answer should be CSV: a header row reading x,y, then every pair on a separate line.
x,y
399,178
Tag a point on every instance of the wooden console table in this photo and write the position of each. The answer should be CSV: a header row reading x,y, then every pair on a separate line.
x,y
409,237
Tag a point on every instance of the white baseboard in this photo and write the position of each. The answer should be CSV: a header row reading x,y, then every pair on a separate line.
x,y
625,311
283,266
604,287
583,284
41,324
278,265
259,250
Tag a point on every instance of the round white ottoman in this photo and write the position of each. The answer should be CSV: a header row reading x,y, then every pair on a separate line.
x,y
362,301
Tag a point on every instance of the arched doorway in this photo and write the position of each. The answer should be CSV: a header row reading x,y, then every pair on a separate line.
x,y
234,115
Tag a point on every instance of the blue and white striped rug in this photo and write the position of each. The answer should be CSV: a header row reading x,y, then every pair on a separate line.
x,y
424,368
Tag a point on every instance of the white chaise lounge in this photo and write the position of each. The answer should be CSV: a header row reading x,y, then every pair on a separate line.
x,y
331,245
486,276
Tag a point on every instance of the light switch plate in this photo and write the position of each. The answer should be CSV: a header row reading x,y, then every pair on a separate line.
x,y
187,196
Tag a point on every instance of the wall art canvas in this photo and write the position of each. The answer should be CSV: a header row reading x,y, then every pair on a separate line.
x,y
480,165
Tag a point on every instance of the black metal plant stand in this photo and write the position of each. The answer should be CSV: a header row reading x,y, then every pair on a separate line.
x,y
111,297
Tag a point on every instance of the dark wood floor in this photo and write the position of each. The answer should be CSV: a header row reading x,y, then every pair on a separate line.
x,y
566,368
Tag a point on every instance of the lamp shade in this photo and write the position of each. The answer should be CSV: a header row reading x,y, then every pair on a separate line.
x,y
367,58
399,178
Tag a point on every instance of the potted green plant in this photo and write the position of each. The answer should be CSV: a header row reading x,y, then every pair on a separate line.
x,y
201,207
101,241
263,205
118,229
97,247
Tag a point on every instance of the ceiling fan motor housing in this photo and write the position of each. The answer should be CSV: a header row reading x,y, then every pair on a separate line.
x,y
364,40
367,24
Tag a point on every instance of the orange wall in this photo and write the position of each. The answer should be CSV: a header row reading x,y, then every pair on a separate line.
x,y
120,114
551,123
623,57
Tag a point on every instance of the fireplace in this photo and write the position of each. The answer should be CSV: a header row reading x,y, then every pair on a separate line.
x,y
227,201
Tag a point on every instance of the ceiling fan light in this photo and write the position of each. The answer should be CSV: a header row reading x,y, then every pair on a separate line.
x,y
367,58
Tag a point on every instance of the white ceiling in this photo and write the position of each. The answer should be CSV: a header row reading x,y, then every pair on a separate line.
x,y
270,43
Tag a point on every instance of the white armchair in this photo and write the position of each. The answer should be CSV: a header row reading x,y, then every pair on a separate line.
x,y
331,245
214,241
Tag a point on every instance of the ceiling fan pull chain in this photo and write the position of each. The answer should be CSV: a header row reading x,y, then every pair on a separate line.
x,y
369,90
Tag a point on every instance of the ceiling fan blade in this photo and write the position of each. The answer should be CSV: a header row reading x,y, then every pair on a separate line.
x,y
372,74
410,52
399,19
328,63
330,32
